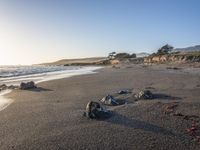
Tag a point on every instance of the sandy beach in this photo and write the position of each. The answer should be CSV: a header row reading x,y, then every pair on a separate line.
x,y
51,117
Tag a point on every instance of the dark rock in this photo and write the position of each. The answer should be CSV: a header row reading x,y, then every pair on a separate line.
x,y
123,92
109,100
28,85
145,94
95,111
12,87
3,87
178,114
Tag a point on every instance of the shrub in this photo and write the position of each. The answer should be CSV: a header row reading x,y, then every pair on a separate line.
x,y
165,49
122,55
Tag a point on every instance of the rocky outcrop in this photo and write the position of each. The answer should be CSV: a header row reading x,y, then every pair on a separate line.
x,y
114,62
139,60
176,57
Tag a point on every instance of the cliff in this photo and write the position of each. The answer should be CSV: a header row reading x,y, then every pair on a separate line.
x,y
173,57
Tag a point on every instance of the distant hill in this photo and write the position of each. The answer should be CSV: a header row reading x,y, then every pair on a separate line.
x,y
188,49
81,61
139,55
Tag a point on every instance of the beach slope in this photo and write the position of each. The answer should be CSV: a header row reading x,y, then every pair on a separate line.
x,y
51,117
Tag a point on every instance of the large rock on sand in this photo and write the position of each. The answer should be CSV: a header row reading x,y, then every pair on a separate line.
x,y
10,87
109,100
123,92
28,85
145,94
95,111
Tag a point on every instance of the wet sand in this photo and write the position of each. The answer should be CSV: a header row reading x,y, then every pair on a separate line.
x,y
51,116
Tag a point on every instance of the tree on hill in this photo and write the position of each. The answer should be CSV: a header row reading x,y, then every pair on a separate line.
x,y
122,55
111,55
115,55
133,55
166,49
125,55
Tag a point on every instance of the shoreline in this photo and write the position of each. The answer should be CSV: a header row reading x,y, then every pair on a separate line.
x,y
5,101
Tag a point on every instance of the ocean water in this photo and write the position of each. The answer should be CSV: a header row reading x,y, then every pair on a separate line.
x,y
14,75
12,71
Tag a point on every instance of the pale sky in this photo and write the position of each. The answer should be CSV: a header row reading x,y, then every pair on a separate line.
x,y
37,31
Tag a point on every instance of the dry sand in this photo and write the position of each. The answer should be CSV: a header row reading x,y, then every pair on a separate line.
x,y
51,117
